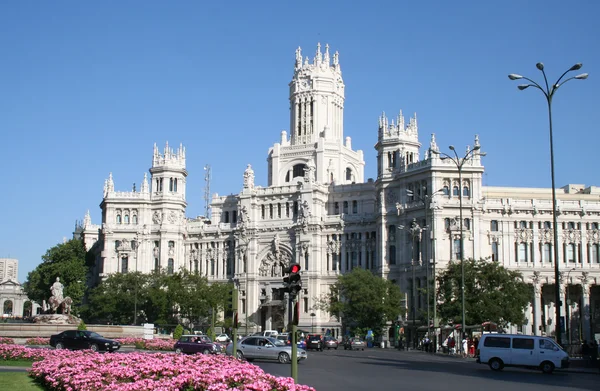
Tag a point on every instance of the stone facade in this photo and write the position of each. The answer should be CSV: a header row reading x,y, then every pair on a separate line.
x,y
12,296
318,209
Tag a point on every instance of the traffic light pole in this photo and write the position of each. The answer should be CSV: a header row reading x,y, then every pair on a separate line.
x,y
234,307
294,347
292,284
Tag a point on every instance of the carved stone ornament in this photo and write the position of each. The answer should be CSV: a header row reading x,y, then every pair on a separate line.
x,y
172,217
546,235
106,228
157,217
593,236
571,236
390,197
523,235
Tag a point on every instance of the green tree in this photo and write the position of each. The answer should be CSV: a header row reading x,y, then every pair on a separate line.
x,y
115,299
363,300
492,293
65,260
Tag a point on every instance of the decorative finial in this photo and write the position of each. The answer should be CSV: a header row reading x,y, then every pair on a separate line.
x,y
327,59
477,140
336,59
432,144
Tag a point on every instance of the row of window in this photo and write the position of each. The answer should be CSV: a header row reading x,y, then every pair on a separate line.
x,y
351,260
572,253
345,207
172,184
494,225
123,216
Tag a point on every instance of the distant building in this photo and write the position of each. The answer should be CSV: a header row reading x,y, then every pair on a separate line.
x,y
12,298
9,269
319,210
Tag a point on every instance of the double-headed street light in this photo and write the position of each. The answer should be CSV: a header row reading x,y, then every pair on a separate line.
x,y
426,200
460,162
548,92
415,231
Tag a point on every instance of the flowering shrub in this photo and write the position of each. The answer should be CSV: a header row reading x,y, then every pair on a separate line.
x,y
4,340
85,370
20,352
150,344
38,341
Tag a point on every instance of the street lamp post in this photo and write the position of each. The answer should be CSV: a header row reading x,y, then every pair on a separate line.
x,y
548,92
415,231
426,199
312,321
460,162
568,309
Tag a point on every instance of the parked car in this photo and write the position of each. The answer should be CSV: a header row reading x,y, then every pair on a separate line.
x,y
83,339
266,348
301,343
330,342
191,344
354,344
267,333
527,351
222,338
314,341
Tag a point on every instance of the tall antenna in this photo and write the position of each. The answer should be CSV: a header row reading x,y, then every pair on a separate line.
x,y
207,191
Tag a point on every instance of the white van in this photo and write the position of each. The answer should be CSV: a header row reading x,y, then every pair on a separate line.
x,y
528,351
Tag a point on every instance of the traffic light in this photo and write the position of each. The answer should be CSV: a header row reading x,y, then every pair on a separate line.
x,y
292,282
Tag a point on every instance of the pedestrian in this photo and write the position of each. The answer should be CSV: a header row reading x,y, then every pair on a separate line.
x,y
471,348
451,345
465,347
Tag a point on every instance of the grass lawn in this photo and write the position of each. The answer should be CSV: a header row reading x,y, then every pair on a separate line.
x,y
15,363
17,381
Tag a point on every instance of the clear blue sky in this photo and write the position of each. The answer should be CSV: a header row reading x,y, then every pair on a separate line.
x,y
87,88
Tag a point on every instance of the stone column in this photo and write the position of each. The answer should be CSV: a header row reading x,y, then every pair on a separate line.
x,y
585,307
537,310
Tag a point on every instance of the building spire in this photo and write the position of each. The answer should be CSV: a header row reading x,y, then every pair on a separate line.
x,y
144,188
87,220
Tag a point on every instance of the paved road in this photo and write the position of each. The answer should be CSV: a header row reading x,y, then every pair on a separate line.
x,y
388,369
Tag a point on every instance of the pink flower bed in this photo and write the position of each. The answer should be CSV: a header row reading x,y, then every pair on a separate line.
x,y
150,344
85,370
4,340
38,341
20,352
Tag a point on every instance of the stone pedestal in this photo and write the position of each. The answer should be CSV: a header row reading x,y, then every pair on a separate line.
x,y
56,319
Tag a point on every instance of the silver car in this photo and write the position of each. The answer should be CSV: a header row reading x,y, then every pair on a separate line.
x,y
265,348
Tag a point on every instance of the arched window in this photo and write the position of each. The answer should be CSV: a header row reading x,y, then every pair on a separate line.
x,y
467,223
196,270
465,191
523,224
126,219
447,223
547,252
455,191
354,206
594,253
571,257
299,170
446,190
118,219
124,264
494,225
345,207
170,266
134,219
348,174
175,185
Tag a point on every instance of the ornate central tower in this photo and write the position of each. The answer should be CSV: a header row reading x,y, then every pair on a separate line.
x,y
316,150
316,98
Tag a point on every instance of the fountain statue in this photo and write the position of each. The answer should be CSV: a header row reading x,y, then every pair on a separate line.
x,y
58,310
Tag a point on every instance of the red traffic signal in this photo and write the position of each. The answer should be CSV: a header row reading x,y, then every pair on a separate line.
x,y
294,268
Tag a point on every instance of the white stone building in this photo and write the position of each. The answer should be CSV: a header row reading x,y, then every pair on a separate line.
x,y
319,210
12,296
